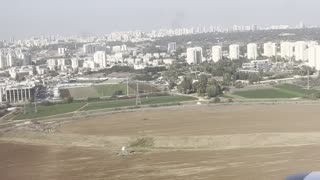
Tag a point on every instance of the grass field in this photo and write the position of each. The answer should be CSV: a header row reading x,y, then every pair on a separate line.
x,y
277,92
44,111
110,89
132,102
264,94
296,90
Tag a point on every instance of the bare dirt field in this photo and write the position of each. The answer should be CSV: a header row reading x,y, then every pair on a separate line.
x,y
198,142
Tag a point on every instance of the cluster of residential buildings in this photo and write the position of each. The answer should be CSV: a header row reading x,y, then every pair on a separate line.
x,y
14,57
97,56
307,52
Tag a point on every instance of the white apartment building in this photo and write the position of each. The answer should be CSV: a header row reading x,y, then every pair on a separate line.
x,y
172,47
216,53
3,61
124,48
269,49
61,62
194,55
52,62
100,58
90,48
234,51
89,64
62,51
10,60
300,51
116,49
314,57
74,63
252,51
287,50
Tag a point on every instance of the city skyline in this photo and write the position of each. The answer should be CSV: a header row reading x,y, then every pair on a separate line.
x,y
35,17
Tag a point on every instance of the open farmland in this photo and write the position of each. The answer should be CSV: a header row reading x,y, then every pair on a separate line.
x,y
237,142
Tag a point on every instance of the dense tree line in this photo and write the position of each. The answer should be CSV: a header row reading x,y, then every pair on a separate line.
x,y
202,86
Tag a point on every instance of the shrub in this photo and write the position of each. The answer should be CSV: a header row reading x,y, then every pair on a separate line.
x,y
238,85
118,93
92,99
143,142
69,100
47,103
216,100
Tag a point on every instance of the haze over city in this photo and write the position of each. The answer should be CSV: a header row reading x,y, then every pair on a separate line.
x,y
21,19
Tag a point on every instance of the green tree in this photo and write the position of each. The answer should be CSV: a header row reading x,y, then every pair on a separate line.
x,y
172,84
185,86
213,89
69,100
254,77
227,79
202,84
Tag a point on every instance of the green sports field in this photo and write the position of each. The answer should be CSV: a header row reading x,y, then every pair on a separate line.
x,y
285,91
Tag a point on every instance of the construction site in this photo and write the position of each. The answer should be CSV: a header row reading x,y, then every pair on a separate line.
x,y
238,141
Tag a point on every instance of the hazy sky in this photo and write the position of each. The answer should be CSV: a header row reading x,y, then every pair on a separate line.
x,y
24,18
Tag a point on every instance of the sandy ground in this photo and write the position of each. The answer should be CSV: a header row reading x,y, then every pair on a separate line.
x,y
215,142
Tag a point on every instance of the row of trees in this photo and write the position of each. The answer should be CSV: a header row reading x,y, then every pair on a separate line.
x,y
202,86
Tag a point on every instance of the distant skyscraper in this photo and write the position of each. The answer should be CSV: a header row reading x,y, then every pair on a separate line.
x,y
252,51
194,55
234,51
254,27
269,49
216,53
301,51
301,25
287,50
100,58
172,47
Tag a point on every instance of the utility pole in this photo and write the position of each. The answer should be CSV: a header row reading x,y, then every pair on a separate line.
x,y
35,101
24,108
138,100
127,86
308,79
